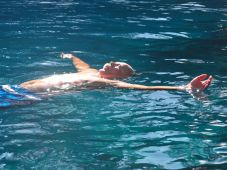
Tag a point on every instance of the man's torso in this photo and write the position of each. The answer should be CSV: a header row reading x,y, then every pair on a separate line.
x,y
65,82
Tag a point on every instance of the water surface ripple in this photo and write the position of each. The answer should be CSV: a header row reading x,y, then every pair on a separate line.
x,y
167,42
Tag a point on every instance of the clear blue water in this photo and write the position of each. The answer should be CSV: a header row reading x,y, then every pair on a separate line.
x,y
168,42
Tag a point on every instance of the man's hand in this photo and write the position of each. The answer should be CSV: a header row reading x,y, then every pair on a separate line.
x,y
199,83
69,56
79,64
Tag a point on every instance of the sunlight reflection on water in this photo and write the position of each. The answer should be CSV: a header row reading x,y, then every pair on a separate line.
x,y
166,42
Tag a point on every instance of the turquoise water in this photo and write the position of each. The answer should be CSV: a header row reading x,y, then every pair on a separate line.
x,y
168,42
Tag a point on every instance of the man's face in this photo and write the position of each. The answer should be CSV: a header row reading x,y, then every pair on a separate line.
x,y
116,70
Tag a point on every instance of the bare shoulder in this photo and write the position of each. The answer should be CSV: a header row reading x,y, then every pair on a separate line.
x,y
109,82
89,71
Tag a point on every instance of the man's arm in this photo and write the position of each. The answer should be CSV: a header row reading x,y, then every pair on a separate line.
x,y
79,64
198,84
124,85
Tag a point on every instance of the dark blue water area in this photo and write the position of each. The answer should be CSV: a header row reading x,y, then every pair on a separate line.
x,y
168,42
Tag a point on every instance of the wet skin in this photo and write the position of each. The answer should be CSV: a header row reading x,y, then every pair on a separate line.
x,y
90,78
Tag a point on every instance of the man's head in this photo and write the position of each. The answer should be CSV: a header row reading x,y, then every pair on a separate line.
x,y
116,70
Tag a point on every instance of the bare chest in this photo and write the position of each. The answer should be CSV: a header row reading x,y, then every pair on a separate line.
x,y
66,81
62,82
